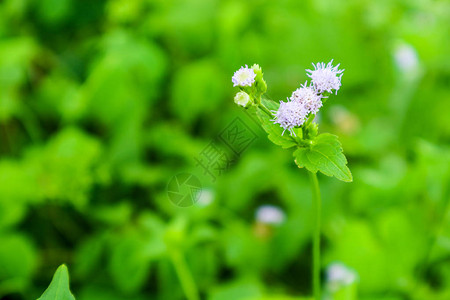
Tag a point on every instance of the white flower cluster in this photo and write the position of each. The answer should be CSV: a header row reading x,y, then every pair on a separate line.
x,y
245,76
308,99
290,114
325,78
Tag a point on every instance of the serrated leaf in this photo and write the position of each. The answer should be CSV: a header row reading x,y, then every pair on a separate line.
x,y
59,287
274,131
324,155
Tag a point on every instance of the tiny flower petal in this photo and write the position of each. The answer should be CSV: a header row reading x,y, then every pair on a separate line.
x,y
290,114
242,99
245,76
325,78
308,96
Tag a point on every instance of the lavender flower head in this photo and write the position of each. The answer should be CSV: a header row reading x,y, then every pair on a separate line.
x,y
290,114
308,96
245,76
326,78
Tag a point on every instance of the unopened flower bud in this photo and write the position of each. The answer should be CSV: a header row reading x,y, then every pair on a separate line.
x,y
261,84
242,99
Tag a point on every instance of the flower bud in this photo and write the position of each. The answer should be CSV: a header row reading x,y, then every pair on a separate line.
x,y
242,99
261,85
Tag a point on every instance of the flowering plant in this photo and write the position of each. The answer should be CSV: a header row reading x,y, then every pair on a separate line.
x,y
315,152
311,150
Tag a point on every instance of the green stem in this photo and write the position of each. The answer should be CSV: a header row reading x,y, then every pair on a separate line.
x,y
187,281
316,237
264,109
310,119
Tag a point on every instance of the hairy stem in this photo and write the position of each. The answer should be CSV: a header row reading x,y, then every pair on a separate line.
x,y
187,281
316,237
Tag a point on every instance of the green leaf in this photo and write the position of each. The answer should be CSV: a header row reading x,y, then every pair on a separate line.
x,y
274,130
324,155
59,287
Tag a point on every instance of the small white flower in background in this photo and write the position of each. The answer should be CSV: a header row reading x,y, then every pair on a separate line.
x,y
406,58
339,275
290,114
326,78
206,197
245,76
308,97
270,214
242,99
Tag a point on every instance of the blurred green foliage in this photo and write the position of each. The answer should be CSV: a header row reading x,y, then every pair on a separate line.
x,y
102,102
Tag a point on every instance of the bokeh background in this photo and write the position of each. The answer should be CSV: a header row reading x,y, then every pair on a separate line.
x,y
103,102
